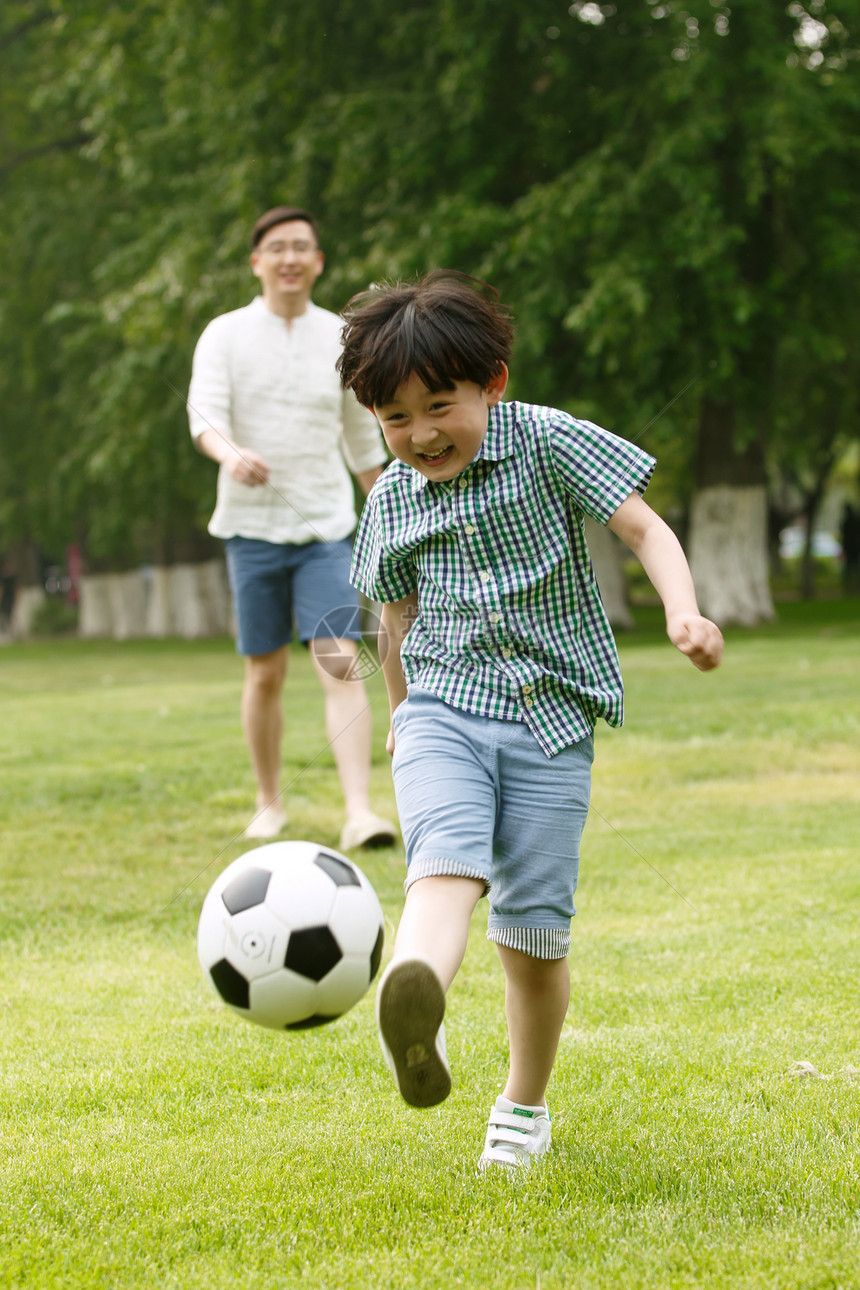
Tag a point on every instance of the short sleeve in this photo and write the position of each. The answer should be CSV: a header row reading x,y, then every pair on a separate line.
x,y
377,569
599,470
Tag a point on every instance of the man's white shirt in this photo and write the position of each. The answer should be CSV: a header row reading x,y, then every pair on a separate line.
x,y
274,389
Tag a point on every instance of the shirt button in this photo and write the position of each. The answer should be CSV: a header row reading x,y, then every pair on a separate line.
x,y
506,653
469,528
464,483
484,576
530,703
528,689
495,618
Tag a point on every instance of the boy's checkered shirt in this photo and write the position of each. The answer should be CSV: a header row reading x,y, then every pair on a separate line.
x,y
510,622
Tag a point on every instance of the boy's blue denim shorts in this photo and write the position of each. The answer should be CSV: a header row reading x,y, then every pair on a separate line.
x,y
478,798
276,585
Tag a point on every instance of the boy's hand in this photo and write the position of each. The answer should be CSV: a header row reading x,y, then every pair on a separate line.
x,y
698,638
389,743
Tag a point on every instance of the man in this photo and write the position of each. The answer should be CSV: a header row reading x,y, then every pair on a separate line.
x,y
266,403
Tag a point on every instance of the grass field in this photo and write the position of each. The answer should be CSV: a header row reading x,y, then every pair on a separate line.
x,y
152,1139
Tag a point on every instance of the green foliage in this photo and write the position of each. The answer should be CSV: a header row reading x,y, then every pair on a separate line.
x,y
663,192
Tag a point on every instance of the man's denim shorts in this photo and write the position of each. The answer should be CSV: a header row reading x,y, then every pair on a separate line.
x,y
479,798
276,585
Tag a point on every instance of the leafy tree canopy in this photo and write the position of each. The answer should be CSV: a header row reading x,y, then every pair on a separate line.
x,y
663,191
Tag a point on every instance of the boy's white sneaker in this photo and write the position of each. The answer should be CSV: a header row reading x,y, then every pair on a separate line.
x,y
516,1135
410,1005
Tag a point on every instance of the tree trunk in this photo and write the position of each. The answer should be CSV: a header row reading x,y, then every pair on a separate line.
x,y
28,601
24,591
606,551
96,609
189,602
813,497
128,603
216,593
158,615
728,523
728,554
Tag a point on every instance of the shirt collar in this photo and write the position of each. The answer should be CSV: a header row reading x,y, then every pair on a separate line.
x,y
259,306
499,442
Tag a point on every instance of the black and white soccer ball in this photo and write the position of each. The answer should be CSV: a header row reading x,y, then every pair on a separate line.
x,y
290,935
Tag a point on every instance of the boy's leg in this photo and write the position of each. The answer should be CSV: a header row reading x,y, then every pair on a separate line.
x,y
537,993
544,807
446,800
536,997
410,1001
434,925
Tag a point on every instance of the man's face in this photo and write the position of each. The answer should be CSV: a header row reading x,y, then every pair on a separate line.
x,y
287,261
438,433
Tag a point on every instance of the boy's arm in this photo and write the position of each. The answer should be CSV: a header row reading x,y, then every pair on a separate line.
x,y
663,559
397,618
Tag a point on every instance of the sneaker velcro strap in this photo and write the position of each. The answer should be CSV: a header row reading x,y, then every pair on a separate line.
x,y
504,1120
496,1136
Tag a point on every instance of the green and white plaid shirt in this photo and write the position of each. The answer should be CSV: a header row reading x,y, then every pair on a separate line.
x,y
510,621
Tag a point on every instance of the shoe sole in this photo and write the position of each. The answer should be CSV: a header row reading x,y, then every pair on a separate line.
x,y
384,838
411,1007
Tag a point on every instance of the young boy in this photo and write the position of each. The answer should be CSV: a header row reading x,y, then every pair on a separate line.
x,y
498,660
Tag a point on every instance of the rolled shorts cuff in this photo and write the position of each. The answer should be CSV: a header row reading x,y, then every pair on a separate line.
x,y
436,867
537,942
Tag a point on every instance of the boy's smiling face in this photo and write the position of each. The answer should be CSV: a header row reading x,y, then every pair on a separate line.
x,y
438,433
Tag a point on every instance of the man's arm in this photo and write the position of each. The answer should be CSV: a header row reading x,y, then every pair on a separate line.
x,y
397,618
663,559
367,478
361,440
210,406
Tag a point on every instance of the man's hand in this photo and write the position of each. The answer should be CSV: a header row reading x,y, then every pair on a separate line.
x,y
698,638
247,467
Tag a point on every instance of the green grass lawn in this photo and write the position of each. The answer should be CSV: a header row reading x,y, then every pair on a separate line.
x,y
152,1139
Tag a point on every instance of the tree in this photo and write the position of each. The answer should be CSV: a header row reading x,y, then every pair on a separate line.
x,y
661,191
690,247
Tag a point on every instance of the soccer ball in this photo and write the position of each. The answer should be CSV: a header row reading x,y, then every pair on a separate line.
x,y
290,935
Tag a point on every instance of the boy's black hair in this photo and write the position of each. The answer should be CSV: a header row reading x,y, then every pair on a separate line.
x,y
445,328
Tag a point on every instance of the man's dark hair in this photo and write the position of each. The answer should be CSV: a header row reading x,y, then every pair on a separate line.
x,y
445,328
280,215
